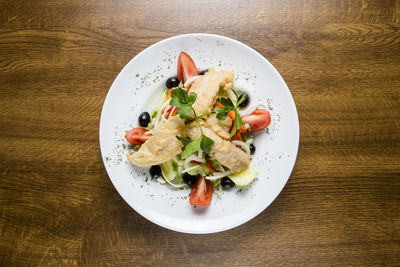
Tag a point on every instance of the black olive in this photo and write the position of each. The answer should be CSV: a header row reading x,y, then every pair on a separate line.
x,y
227,183
245,102
252,149
172,82
144,119
202,72
189,179
155,171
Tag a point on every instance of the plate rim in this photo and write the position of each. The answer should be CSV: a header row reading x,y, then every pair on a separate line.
x,y
219,228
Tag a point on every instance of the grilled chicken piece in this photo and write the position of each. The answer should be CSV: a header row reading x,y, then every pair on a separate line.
x,y
223,150
207,86
162,146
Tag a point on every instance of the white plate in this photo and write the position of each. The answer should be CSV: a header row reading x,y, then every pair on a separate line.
x,y
140,84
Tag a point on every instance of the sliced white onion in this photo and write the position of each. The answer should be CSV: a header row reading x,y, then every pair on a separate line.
x,y
218,175
165,104
161,180
156,125
191,168
232,96
249,109
189,159
244,86
249,141
175,160
190,80
242,145
172,111
200,153
153,122
164,115
174,185
261,106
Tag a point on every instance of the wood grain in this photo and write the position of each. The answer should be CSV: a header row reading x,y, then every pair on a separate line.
x,y
341,61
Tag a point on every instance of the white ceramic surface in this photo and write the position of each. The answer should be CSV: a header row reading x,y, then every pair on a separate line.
x,y
140,84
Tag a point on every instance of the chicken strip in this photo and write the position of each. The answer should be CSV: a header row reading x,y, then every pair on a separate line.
x,y
162,146
223,150
221,128
207,86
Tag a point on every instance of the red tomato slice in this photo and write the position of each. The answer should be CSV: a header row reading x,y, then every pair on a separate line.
x,y
201,192
137,136
186,67
258,120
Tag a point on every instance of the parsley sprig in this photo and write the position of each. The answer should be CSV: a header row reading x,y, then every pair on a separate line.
x,y
184,102
228,106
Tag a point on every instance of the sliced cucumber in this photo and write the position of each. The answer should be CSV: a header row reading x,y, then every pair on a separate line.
x,y
244,177
168,170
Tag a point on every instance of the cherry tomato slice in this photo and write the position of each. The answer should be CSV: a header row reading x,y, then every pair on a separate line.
x,y
186,67
201,192
137,136
258,120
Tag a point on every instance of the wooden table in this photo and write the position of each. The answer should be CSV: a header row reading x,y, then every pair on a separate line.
x,y
341,61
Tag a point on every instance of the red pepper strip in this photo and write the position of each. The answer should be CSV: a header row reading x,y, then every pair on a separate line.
x,y
170,93
237,136
210,167
169,109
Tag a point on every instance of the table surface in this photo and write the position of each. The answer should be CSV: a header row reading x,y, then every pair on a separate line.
x,y
341,61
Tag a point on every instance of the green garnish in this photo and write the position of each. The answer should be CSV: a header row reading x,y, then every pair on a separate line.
x,y
184,102
222,113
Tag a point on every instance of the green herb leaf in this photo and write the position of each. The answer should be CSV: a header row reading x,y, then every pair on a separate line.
x,y
192,147
226,102
237,123
184,141
236,94
241,99
206,144
189,121
176,103
202,170
184,111
191,98
221,113
179,98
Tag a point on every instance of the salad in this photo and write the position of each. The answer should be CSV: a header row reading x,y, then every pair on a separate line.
x,y
199,134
